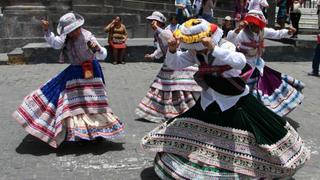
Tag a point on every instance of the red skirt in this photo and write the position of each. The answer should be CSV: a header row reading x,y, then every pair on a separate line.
x,y
117,45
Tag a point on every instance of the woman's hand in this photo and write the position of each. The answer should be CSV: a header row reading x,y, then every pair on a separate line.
x,y
148,57
207,42
45,25
291,30
93,46
173,44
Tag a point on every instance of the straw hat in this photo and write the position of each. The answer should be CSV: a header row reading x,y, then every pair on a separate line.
x,y
69,22
193,31
256,17
158,16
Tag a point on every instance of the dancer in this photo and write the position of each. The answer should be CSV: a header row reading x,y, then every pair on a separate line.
x,y
173,91
228,134
73,105
279,92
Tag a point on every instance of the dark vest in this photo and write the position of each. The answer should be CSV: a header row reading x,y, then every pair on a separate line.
x,y
212,77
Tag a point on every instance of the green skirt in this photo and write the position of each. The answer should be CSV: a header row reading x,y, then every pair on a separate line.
x,y
248,140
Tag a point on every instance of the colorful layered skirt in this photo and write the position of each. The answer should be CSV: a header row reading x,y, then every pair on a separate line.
x,y
172,93
279,92
69,108
246,141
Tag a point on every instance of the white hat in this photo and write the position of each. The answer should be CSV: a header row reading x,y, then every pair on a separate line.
x,y
228,18
192,31
69,22
158,16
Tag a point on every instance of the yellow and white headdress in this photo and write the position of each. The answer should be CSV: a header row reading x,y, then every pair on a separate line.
x,y
193,31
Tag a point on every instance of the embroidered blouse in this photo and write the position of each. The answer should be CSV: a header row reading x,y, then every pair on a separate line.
x,y
223,56
77,50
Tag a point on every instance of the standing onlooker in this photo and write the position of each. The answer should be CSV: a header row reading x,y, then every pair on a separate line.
x,y
206,11
316,59
318,12
227,26
117,39
295,15
257,5
196,6
183,10
240,9
282,12
173,23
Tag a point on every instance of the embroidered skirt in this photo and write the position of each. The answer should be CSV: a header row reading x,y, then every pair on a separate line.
x,y
69,108
172,93
247,140
279,92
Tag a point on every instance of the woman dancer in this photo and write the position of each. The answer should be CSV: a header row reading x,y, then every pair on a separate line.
x,y
279,92
73,105
228,134
173,91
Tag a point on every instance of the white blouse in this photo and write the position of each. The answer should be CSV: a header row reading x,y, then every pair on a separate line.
x,y
223,56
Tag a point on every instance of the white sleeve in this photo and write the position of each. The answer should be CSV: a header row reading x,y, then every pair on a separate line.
x,y
102,54
55,42
264,3
157,54
276,34
179,59
231,36
227,54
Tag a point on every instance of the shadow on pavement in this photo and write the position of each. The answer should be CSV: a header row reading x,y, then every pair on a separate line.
x,y
149,173
34,146
293,123
144,120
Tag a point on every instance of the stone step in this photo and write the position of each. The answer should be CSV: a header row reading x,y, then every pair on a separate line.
x,y
309,26
3,58
88,2
102,19
92,9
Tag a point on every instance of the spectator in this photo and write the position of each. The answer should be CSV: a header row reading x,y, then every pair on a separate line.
x,y
117,39
206,11
227,26
196,6
257,5
183,10
282,12
240,9
316,59
295,15
318,12
173,23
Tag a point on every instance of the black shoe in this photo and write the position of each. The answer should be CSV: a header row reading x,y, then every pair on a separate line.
x,y
314,74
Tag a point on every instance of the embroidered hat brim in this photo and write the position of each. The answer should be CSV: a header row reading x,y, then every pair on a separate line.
x,y
65,28
192,32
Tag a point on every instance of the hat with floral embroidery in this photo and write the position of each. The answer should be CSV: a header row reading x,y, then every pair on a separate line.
x,y
69,22
193,31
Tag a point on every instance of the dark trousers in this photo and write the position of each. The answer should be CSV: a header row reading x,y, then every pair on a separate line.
x,y
295,18
316,60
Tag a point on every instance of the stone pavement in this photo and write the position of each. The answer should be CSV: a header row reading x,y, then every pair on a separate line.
x,y
24,157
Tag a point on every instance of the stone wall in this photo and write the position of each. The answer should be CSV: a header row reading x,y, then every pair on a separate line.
x,y
20,23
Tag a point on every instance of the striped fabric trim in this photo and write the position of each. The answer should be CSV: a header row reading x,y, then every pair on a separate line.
x,y
176,80
160,105
229,148
172,166
91,131
284,99
44,121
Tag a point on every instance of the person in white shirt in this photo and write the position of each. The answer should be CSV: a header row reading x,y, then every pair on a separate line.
x,y
228,130
257,5
73,105
279,92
